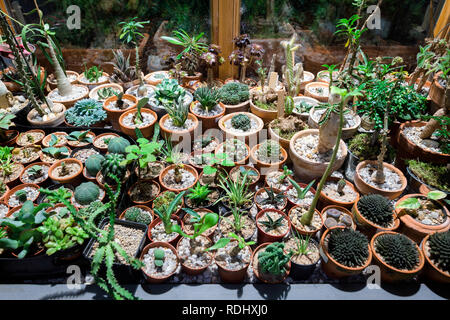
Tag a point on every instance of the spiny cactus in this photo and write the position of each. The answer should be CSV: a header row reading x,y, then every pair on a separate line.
x,y
111,165
348,247
132,213
293,73
86,193
93,164
273,260
241,121
397,250
377,209
118,145
144,217
269,150
440,249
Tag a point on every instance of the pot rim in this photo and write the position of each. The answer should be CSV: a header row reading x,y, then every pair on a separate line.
x,y
427,258
275,164
339,203
186,167
286,217
402,177
237,270
258,120
372,224
114,98
256,272
213,254
94,90
418,123
133,110
304,231
191,116
71,100
159,244
220,104
58,162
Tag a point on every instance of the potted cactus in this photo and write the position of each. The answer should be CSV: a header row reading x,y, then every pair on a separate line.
x,y
235,96
436,250
270,263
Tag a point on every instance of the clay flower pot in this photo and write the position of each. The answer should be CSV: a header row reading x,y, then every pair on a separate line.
x,y
416,230
156,77
256,270
70,74
14,179
207,121
114,115
265,115
178,135
298,100
389,273
143,203
368,227
12,137
186,80
366,188
23,136
437,91
157,221
309,92
68,103
240,107
334,269
191,270
93,94
54,122
263,236
327,201
98,140
145,208
47,138
91,85
208,233
177,212
72,179
146,130
31,165
2,197
342,210
250,136
283,142
20,187
323,76
185,167
153,278
431,270
233,276
276,191
267,166
347,133
220,149
303,232
246,167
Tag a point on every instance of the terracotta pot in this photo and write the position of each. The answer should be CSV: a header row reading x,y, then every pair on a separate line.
x,y
241,107
437,91
177,212
334,269
46,140
195,271
208,122
209,233
249,137
58,120
320,75
145,208
35,142
311,94
158,221
146,130
324,200
283,142
409,150
303,186
308,170
304,232
308,75
389,273
2,197
431,270
267,167
52,160
368,227
129,85
166,170
20,187
416,230
12,211
365,188
276,191
100,136
70,103
151,80
77,144
87,176
12,137
305,115
74,179
16,181
339,208
347,133
29,166
93,93
256,270
188,79
153,278
132,90
263,236
253,184
233,276
180,135
91,85
114,115
220,149
143,203
52,81
265,115
34,155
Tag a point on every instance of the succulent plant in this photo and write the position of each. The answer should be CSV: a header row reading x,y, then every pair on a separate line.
x,y
273,260
144,217
440,249
85,113
111,165
168,91
340,186
241,121
86,193
159,257
118,145
93,164
377,209
271,224
234,93
207,97
269,151
132,213
106,92
348,247
397,250
178,112
21,195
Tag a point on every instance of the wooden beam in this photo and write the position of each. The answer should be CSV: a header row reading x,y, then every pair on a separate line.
x,y
444,19
225,26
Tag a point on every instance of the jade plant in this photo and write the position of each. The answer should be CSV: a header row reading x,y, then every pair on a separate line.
x,y
273,260
86,193
166,210
377,209
348,247
397,250
241,122
85,113
439,244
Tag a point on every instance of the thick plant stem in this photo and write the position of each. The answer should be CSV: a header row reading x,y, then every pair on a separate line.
x,y
307,218
209,79
243,72
63,83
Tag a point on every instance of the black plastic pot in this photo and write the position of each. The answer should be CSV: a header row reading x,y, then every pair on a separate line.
x,y
414,183
303,272
350,166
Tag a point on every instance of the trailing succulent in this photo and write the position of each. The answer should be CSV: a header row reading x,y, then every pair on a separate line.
x,y
348,247
167,92
234,93
241,121
273,260
377,209
86,193
137,215
439,244
85,113
397,250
